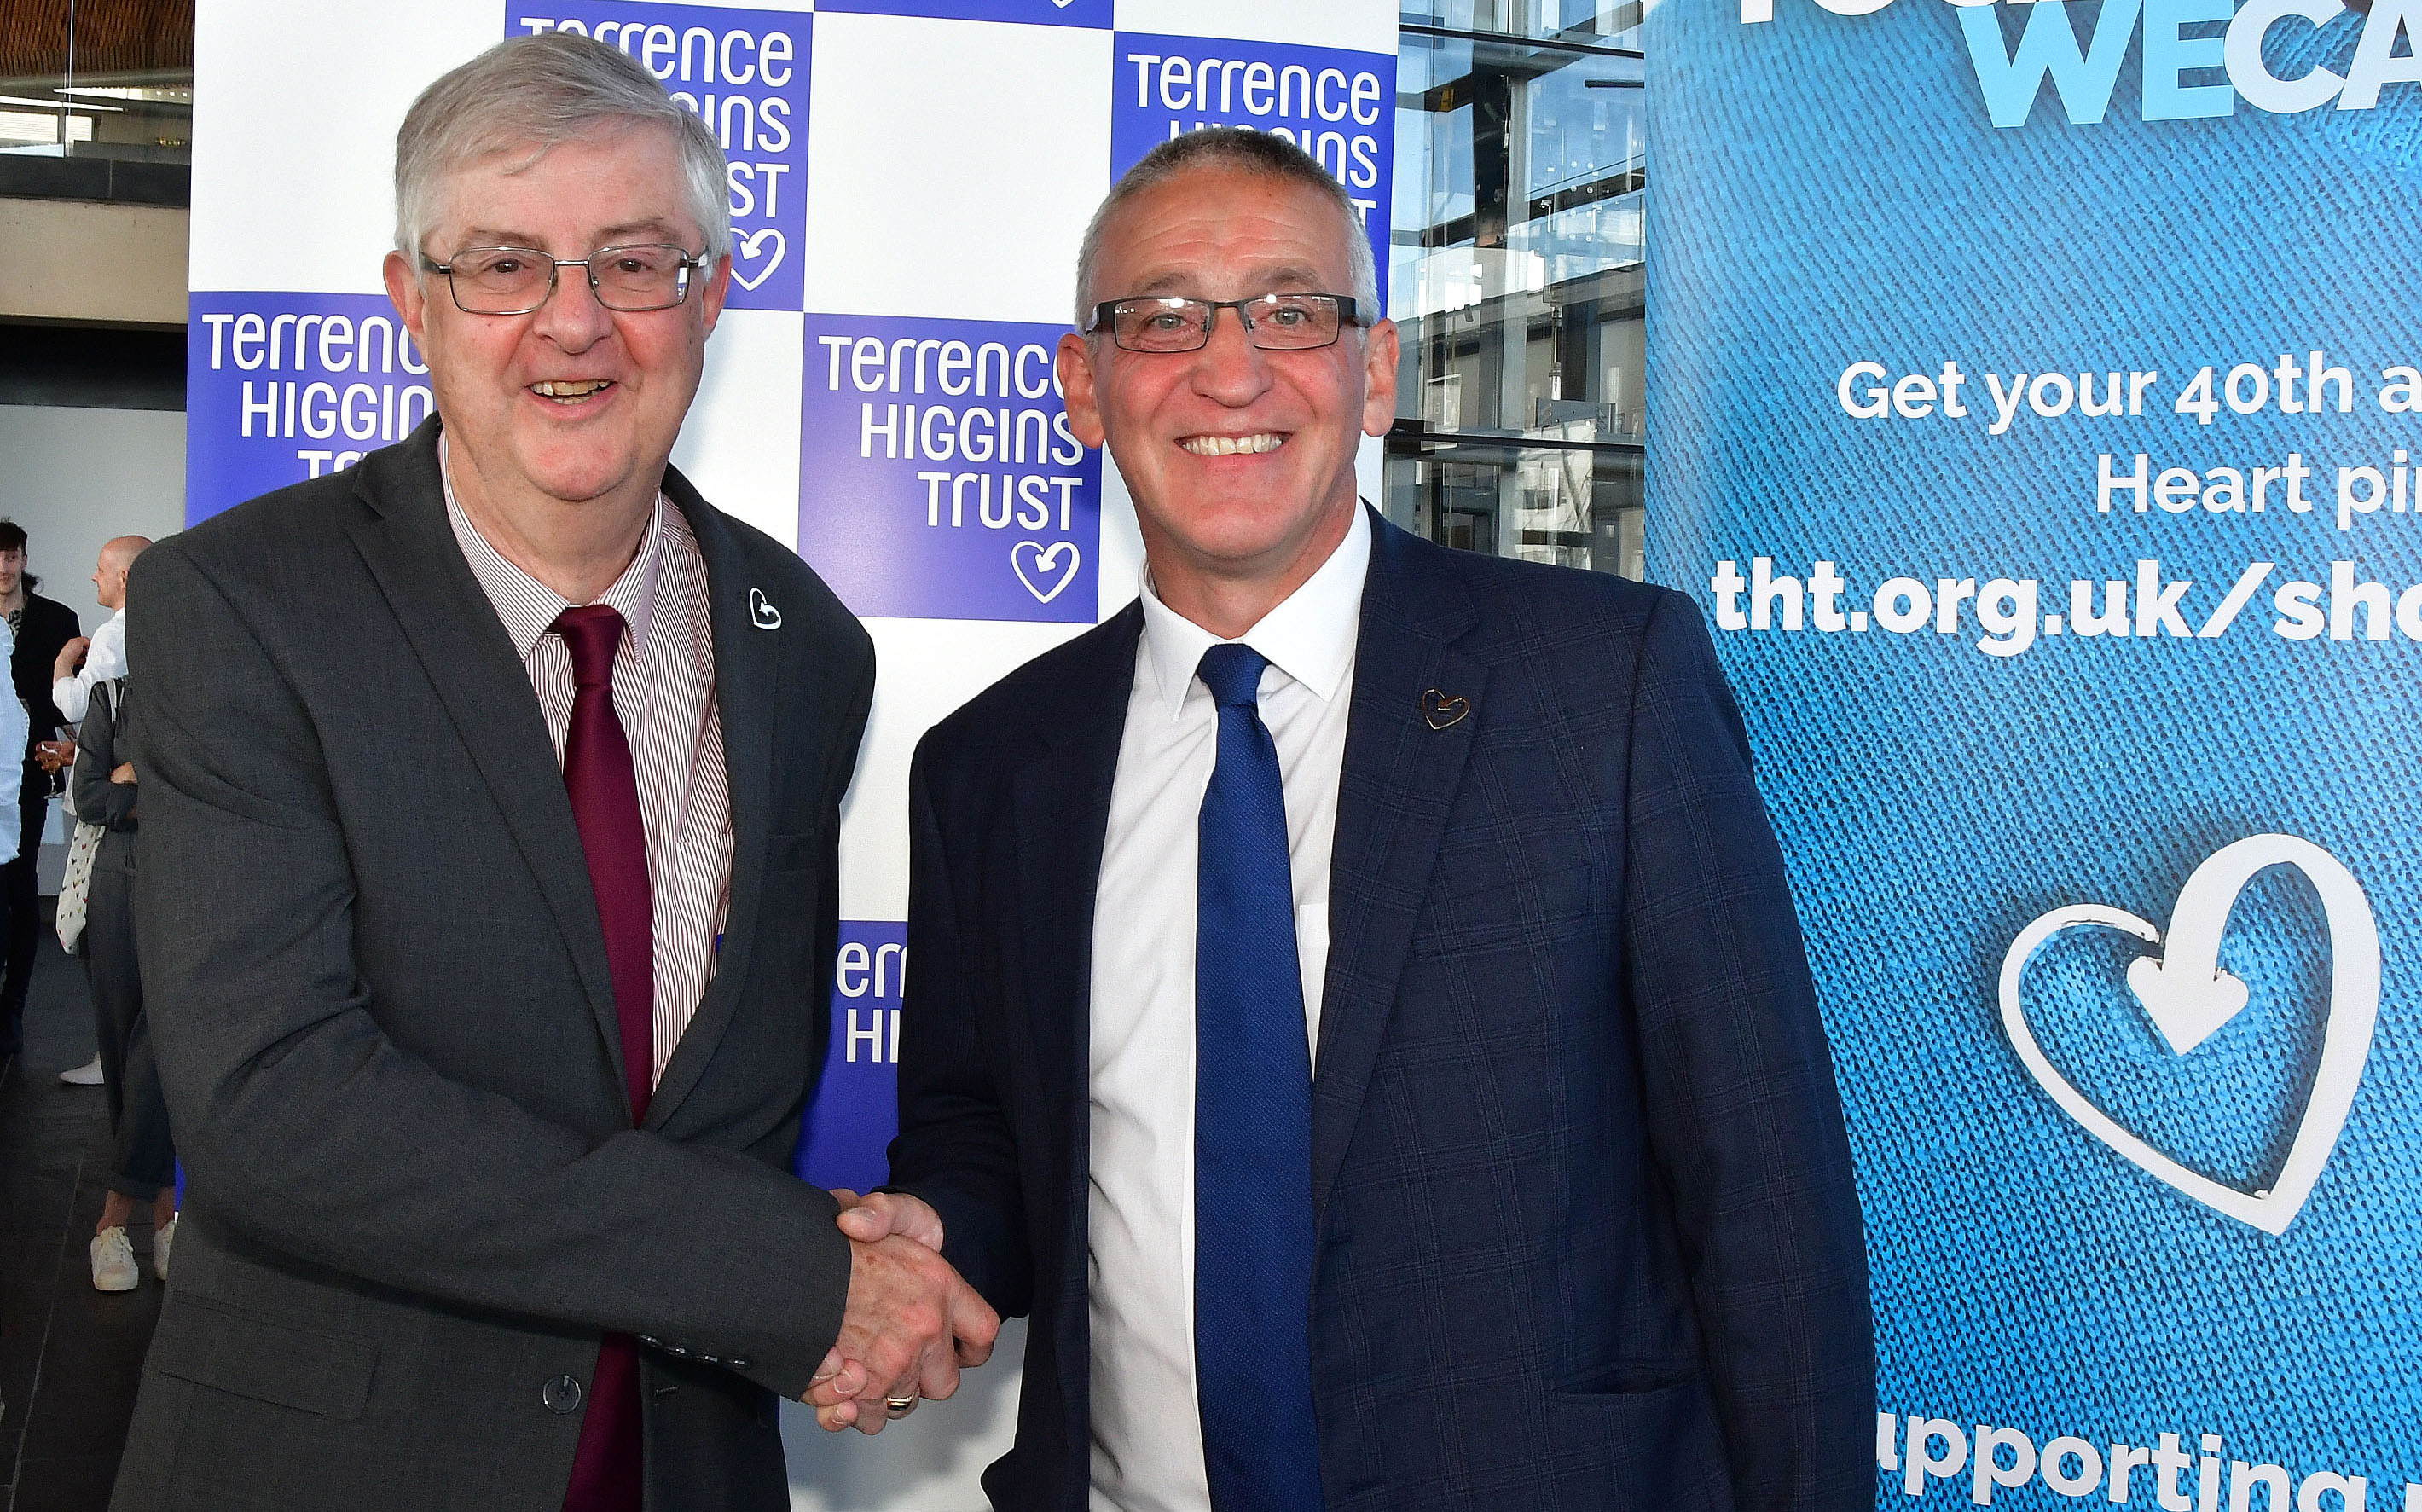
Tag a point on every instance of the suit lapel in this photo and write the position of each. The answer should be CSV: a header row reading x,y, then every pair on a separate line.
x,y
1060,820
747,688
409,549
1394,793
1062,801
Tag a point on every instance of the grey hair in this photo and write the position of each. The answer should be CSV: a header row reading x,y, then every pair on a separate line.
x,y
1264,153
537,92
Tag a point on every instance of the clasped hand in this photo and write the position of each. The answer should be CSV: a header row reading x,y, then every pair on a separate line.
x,y
911,1323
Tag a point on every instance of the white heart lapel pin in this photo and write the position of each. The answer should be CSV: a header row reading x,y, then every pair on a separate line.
x,y
761,614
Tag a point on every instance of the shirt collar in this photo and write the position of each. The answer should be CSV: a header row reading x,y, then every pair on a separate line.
x,y
1310,635
528,607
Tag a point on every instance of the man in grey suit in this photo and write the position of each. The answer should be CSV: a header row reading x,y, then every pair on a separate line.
x,y
487,903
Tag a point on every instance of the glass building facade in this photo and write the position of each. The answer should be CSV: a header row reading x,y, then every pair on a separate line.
x,y
1516,279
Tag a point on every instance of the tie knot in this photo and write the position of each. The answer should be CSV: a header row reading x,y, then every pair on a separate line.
x,y
592,633
1234,674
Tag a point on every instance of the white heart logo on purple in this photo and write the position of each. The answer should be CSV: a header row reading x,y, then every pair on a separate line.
x,y
750,245
1044,562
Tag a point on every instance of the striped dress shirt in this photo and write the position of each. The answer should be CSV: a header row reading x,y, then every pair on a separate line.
x,y
663,694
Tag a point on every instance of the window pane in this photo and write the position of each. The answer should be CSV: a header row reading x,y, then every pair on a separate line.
x,y
1516,281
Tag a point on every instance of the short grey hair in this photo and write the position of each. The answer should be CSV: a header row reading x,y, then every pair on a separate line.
x,y
1264,153
537,92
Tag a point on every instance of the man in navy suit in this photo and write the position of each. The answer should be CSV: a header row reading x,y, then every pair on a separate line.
x,y
1359,1012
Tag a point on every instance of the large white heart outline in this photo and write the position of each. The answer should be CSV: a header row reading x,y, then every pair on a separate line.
x,y
750,241
1044,557
2346,1041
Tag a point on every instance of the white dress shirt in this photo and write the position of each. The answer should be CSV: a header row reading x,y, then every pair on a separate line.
x,y
1147,1452
103,659
664,695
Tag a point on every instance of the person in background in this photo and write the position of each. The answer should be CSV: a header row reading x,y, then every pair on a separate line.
x,y
82,663
143,1163
85,661
41,627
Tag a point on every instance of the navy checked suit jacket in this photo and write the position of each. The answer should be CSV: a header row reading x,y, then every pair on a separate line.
x,y
1587,1234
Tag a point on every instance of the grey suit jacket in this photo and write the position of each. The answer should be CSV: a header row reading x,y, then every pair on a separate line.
x,y
385,1025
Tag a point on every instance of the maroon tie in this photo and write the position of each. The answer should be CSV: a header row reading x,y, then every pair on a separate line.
x,y
605,789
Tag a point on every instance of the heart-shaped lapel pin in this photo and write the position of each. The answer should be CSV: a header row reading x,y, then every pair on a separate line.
x,y
761,613
1442,711
2188,997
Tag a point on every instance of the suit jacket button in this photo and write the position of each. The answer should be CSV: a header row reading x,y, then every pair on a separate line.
x,y
561,1395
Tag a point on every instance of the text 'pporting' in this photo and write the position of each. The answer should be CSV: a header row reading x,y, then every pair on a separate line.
x,y
745,74
938,475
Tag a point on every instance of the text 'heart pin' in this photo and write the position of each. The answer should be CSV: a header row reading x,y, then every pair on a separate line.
x,y
1442,711
761,614
2187,998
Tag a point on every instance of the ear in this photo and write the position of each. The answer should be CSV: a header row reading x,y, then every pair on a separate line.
x,y
411,300
717,290
1379,357
1075,366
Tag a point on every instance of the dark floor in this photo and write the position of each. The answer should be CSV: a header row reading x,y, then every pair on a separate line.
x,y
69,1355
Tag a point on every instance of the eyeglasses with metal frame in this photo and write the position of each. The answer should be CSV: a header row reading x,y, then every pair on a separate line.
x,y
1273,322
515,280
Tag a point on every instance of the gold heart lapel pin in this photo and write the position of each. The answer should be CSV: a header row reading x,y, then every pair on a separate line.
x,y
1442,711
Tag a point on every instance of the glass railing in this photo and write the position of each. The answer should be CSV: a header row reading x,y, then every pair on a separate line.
x,y
98,78
146,117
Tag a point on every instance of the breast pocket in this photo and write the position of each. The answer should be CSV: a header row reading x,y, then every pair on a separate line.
x,y
795,853
1511,906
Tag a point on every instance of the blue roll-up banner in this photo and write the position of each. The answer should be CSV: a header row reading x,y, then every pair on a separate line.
x,y
2034,393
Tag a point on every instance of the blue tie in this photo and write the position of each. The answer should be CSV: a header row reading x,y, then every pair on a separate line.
x,y
1252,1126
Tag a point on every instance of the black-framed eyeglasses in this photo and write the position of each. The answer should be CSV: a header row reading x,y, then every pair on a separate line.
x,y
515,280
1273,322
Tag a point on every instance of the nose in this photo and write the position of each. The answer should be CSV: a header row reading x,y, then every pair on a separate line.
x,y
1230,368
572,317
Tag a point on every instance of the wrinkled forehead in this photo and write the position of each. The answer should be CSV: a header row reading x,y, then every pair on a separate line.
x,y
613,180
1217,229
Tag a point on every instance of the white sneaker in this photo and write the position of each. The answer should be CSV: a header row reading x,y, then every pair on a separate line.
x,y
113,1262
160,1242
87,1075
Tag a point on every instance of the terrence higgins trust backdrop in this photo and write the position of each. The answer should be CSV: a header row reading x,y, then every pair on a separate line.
x,y
909,180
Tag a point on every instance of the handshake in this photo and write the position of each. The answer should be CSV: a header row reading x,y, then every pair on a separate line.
x,y
911,1325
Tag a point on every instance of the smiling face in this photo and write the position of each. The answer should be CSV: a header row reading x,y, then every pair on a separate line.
x,y
571,403
1240,461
